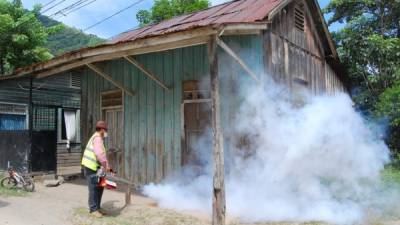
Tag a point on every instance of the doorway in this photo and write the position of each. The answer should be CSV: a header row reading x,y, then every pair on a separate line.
x,y
112,113
43,155
197,133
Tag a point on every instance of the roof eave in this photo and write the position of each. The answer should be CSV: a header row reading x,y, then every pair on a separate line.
x,y
156,43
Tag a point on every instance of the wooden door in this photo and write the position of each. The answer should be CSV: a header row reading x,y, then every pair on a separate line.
x,y
197,128
115,141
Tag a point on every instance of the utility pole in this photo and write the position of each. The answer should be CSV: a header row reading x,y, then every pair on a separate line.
x,y
219,208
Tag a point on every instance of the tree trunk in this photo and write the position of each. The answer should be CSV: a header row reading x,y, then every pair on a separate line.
x,y
218,215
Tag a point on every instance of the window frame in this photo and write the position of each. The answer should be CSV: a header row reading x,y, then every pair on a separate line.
x,y
60,115
26,113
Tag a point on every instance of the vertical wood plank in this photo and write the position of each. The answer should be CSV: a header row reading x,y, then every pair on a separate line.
x,y
127,154
135,115
168,115
152,63
160,108
142,127
177,89
188,62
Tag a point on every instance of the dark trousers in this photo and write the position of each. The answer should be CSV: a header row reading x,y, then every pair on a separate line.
x,y
95,192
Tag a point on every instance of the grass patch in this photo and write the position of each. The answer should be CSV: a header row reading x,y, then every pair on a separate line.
x,y
391,176
136,216
81,217
14,192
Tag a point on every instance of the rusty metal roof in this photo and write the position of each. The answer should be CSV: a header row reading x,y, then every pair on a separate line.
x,y
239,11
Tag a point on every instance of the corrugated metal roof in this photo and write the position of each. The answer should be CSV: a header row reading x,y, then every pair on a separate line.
x,y
239,11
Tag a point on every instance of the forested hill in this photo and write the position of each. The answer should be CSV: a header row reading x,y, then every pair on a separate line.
x,y
68,39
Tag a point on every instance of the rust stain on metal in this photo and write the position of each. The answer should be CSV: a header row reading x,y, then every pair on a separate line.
x,y
231,12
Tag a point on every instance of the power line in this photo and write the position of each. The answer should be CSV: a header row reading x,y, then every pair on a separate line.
x,y
109,17
69,7
52,6
48,3
76,9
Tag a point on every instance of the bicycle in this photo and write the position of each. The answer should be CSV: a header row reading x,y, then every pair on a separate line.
x,y
14,179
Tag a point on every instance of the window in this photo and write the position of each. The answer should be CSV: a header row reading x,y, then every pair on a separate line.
x,y
69,129
13,116
74,80
111,99
299,16
193,90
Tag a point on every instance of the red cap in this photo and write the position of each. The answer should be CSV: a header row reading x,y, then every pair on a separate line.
x,y
101,125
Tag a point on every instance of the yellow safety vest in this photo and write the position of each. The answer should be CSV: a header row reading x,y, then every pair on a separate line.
x,y
89,158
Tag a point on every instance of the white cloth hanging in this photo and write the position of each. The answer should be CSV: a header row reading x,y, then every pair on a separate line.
x,y
70,125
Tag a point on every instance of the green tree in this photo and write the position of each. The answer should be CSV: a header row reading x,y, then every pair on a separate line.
x,y
369,48
166,9
22,36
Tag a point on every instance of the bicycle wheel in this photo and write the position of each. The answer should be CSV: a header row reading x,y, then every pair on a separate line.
x,y
8,182
30,185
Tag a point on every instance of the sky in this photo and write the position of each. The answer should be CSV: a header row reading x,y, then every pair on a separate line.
x,y
100,9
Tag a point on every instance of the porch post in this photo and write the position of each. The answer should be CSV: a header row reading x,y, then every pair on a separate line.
x,y
218,214
30,123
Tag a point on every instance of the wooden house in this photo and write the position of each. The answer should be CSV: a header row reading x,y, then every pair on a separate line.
x,y
145,82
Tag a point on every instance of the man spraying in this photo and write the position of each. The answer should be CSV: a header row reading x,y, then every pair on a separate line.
x,y
95,162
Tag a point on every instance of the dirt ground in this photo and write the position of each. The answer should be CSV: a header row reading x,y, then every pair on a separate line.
x,y
66,205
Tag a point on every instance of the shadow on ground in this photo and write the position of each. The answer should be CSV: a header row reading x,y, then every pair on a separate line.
x,y
112,208
3,204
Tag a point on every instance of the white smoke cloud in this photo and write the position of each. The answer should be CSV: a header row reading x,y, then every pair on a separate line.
x,y
318,162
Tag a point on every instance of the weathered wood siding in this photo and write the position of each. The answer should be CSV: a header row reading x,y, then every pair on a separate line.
x,y
152,118
297,57
69,160
333,84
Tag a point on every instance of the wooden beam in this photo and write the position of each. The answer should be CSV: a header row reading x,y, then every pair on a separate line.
x,y
146,71
118,47
246,26
236,58
110,79
142,46
278,8
151,44
82,62
219,203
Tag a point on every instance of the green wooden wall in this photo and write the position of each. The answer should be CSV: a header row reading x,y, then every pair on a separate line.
x,y
152,117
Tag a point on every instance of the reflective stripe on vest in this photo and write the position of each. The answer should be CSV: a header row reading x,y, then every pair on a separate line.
x,y
89,158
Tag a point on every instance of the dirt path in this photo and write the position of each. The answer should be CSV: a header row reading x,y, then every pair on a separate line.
x,y
66,205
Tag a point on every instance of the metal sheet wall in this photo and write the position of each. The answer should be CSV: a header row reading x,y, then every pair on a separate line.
x,y
152,118
55,90
14,148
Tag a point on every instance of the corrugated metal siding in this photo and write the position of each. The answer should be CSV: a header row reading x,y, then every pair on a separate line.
x,y
152,120
54,90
